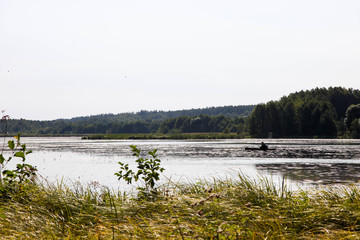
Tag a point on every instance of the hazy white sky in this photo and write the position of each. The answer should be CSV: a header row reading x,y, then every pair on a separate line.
x,y
67,58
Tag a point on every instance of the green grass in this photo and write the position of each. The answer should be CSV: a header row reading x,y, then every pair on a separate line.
x,y
236,208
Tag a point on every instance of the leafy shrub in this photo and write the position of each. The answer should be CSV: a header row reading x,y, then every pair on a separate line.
x,y
24,172
148,171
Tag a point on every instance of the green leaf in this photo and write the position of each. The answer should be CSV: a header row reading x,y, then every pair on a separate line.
x,y
20,154
153,153
20,166
135,150
11,144
9,173
2,159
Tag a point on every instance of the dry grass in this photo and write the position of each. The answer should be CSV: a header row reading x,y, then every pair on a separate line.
x,y
222,209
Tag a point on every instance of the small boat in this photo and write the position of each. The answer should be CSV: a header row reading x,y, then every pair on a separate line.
x,y
258,149
263,147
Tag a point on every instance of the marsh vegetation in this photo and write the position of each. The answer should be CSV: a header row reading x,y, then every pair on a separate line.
x,y
220,209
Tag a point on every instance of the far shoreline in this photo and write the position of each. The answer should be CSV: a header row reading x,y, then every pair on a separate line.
x,y
165,136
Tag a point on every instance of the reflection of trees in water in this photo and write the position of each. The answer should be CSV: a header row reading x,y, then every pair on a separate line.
x,y
319,173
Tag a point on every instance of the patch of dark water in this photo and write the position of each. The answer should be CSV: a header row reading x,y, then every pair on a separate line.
x,y
315,173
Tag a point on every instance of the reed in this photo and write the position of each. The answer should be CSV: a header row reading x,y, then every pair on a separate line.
x,y
228,208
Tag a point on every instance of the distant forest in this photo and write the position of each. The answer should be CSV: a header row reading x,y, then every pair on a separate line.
x,y
321,112
223,119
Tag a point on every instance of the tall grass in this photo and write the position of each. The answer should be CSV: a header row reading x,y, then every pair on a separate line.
x,y
229,208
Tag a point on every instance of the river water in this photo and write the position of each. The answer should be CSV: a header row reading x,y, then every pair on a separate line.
x,y
302,162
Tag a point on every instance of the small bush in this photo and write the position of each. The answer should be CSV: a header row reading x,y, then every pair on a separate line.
x,y
24,172
148,171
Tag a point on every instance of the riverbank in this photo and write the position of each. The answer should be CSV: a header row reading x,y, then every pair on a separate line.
x,y
141,136
163,136
220,209
172,136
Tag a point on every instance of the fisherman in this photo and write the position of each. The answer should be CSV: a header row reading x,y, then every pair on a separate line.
x,y
264,146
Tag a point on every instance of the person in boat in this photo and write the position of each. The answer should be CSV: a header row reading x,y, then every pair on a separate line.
x,y
263,146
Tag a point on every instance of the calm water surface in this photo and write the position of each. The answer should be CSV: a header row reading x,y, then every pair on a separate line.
x,y
302,162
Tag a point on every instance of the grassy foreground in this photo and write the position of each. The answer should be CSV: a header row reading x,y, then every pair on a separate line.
x,y
222,209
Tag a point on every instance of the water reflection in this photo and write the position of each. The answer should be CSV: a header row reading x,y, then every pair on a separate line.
x,y
314,173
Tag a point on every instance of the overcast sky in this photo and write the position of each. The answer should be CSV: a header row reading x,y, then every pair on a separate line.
x,y
67,58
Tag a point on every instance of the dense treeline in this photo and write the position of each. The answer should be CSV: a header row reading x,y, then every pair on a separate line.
x,y
319,112
80,127
141,122
202,123
227,111
183,124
